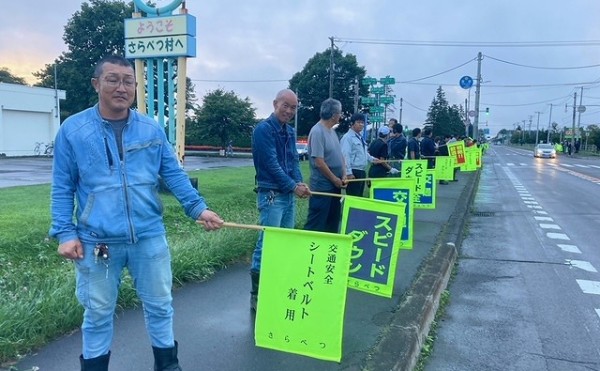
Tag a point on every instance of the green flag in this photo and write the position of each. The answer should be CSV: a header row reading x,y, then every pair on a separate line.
x,y
376,228
302,292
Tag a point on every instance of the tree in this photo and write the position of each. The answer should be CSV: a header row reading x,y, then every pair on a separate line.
x,y
594,136
7,77
93,32
223,116
312,85
445,120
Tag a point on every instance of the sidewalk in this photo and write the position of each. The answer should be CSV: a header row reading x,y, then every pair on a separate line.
x,y
215,328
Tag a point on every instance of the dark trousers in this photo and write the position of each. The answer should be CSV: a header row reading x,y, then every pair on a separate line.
x,y
324,213
356,188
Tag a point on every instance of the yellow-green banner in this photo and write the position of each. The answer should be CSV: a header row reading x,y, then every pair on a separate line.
x,y
444,167
427,199
401,192
376,228
415,169
472,154
302,292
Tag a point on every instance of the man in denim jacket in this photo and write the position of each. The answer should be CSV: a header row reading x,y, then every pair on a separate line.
x,y
278,176
107,163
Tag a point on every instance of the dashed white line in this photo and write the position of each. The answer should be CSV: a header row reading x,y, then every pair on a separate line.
x,y
523,164
549,226
567,165
558,236
543,219
584,166
589,287
596,166
569,248
586,266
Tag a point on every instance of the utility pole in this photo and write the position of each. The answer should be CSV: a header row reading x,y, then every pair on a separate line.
x,y
331,69
537,127
579,109
477,92
549,125
400,117
356,94
573,129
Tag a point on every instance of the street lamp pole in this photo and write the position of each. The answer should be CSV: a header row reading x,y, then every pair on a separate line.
x,y
537,127
549,124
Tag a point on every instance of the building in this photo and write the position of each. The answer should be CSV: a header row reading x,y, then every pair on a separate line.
x,y
29,119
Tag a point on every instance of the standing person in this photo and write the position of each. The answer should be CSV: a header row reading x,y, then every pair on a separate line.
x,y
356,156
397,145
413,146
110,158
327,170
278,175
428,147
379,149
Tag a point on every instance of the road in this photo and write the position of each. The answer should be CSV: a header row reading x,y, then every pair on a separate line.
x,y
526,295
20,171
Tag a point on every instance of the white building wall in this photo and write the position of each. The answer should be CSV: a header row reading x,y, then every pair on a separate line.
x,y
28,116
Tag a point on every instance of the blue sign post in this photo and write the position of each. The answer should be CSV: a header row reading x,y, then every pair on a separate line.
x,y
466,82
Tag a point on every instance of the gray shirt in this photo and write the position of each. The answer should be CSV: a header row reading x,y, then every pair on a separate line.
x,y
324,143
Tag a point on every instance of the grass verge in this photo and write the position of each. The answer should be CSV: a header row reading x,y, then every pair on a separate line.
x,y
37,286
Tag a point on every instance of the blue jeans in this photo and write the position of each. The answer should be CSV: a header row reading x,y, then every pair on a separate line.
x,y
275,210
149,264
324,213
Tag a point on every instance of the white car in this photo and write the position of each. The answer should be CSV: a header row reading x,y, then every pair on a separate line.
x,y
302,149
544,150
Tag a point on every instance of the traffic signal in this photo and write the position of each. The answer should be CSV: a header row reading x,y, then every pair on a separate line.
x,y
487,110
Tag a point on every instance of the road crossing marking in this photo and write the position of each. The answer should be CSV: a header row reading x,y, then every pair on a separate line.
x,y
567,165
527,198
596,166
586,266
543,219
569,248
534,207
540,212
597,312
549,226
558,236
589,287
530,202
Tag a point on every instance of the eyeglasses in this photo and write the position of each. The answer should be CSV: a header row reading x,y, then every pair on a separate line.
x,y
114,82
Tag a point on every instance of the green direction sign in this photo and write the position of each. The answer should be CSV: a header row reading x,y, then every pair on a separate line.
x,y
386,99
375,118
369,81
376,109
387,80
367,100
378,90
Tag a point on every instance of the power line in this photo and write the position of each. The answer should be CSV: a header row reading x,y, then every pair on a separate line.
x,y
543,68
487,44
241,81
437,74
413,106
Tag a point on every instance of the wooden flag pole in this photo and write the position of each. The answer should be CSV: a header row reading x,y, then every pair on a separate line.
x,y
236,225
326,194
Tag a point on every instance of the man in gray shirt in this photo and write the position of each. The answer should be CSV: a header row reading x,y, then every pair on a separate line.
x,y
327,170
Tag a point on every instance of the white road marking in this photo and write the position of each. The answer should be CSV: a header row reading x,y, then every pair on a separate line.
x,y
578,165
543,218
530,202
549,226
567,165
522,164
540,212
597,311
510,164
570,248
586,266
589,287
558,236
596,166
527,198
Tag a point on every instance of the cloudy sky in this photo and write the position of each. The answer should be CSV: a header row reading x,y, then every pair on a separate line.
x,y
254,48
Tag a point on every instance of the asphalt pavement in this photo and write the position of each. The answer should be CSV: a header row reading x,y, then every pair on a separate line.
x,y
215,328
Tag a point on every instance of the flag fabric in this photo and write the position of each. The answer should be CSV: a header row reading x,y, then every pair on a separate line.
x,y
302,292
375,227
471,154
427,199
402,192
444,167
415,169
457,150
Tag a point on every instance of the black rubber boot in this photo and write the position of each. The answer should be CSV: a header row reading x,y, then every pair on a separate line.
x,y
95,364
255,276
165,359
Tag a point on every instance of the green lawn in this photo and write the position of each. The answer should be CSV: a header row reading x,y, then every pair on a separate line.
x,y
37,286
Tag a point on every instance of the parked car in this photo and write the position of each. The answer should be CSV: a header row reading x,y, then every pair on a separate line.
x,y
544,150
302,149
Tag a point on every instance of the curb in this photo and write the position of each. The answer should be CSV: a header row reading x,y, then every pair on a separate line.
x,y
399,345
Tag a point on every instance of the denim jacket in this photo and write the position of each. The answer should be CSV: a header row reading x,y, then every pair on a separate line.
x,y
117,200
275,156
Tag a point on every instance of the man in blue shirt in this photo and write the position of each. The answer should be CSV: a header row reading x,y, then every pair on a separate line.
x,y
278,176
356,156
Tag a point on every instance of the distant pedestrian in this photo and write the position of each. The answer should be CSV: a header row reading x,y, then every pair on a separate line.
x,y
378,149
413,146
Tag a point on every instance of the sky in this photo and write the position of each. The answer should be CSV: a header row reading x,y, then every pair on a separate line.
x,y
254,47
